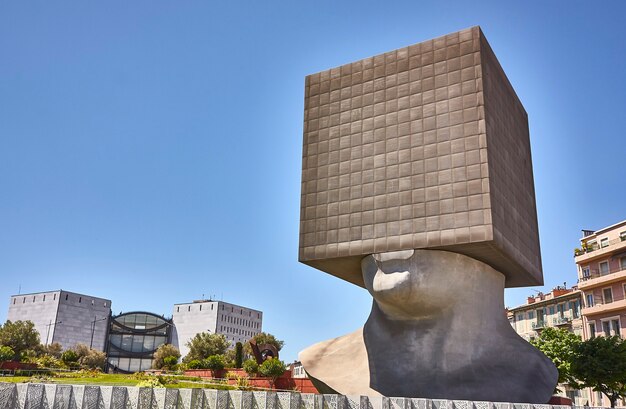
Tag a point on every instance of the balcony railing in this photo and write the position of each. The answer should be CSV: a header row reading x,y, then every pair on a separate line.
x,y
561,320
596,246
539,324
597,274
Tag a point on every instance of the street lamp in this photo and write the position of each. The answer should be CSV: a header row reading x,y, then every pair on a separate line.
x,y
93,327
48,330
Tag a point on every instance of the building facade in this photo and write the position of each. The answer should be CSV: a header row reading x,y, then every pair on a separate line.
x,y
64,317
237,323
601,266
134,337
560,308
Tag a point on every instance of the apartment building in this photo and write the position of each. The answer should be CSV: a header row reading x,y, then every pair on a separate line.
x,y
601,264
560,308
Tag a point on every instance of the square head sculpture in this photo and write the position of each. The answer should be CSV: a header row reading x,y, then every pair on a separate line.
x,y
424,147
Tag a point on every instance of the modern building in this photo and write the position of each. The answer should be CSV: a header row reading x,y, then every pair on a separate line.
x,y
64,317
601,264
134,337
558,308
237,323
129,339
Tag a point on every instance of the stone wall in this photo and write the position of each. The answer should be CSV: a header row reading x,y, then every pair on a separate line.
x,y
48,396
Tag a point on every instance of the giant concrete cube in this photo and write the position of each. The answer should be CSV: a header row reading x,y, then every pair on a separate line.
x,y
424,147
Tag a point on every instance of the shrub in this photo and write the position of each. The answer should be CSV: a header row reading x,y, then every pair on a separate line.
x,y
93,360
195,364
48,361
6,353
214,363
153,382
272,368
169,362
251,367
69,357
163,352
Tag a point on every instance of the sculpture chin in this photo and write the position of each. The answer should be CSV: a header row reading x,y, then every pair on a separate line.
x,y
437,330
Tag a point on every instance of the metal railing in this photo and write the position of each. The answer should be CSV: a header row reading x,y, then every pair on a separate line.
x,y
597,274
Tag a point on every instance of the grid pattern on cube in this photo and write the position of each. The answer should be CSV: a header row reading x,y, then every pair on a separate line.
x,y
394,151
512,187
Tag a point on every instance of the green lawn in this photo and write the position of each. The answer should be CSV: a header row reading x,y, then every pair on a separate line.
x,y
110,380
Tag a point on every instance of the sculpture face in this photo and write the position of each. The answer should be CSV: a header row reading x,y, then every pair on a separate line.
x,y
406,283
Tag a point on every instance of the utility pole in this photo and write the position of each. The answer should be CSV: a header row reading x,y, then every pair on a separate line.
x,y
93,328
48,331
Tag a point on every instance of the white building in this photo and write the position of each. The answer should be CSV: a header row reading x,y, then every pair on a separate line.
x,y
237,323
64,317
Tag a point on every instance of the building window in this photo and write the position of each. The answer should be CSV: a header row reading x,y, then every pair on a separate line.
x,y
622,236
66,296
615,327
177,309
33,298
606,328
576,309
44,297
189,308
80,299
24,300
604,267
592,329
200,307
622,263
54,297
604,243
105,304
14,301
586,272
607,293
531,315
211,307
589,300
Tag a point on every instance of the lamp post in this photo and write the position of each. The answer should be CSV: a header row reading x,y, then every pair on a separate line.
x,y
48,330
93,328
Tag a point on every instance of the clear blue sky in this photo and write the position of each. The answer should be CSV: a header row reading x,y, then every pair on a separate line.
x,y
150,151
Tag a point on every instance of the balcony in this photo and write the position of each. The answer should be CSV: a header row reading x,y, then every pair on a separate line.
x,y
561,321
539,325
603,308
596,279
592,252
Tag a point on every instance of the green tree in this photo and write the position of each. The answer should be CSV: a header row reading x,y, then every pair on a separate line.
x,y
165,351
6,353
273,369
559,345
170,362
600,364
251,367
19,336
263,338
214,363
238,355
203,345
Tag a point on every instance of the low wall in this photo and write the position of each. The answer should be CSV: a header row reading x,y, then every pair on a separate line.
x,y
51,396
285,382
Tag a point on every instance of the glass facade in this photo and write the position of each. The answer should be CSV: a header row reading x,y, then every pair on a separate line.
x,y
133,339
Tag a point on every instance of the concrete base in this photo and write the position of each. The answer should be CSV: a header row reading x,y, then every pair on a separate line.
x,y
40,396
438,330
